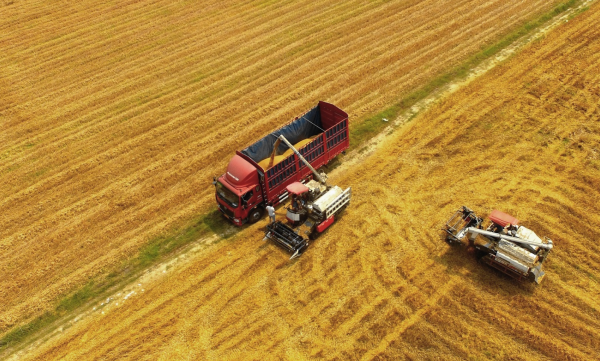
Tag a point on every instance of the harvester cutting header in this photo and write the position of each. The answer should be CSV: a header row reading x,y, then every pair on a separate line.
x,y
504,245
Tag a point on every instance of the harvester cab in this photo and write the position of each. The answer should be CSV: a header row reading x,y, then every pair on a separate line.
x,y
457,225
312,210
504,244
296,212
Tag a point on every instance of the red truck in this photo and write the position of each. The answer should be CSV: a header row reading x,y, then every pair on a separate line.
x,y
245,189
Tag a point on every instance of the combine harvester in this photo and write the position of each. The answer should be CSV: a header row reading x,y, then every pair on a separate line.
x,y
312,209
259,174
504,245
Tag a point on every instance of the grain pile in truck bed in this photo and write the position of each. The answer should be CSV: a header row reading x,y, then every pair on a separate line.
x,y
278,158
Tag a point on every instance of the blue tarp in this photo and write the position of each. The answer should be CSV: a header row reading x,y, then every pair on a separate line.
x,y
304,127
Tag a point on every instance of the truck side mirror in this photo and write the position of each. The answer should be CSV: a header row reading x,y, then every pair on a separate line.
x,y
214,182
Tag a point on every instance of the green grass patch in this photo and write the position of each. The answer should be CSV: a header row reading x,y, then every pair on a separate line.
x,y
374,124
162,246
371,126
157,250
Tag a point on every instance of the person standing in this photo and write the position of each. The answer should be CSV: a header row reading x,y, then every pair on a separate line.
x,y
271,211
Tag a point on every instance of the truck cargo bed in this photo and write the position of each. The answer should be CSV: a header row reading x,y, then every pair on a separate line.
x,y
325,123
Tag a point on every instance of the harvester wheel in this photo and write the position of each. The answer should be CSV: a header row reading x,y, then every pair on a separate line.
x,y
255,215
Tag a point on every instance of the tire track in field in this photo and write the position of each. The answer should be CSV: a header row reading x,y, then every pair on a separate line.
x,y
542,331
415,317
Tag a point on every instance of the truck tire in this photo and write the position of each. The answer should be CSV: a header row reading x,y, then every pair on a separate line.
x,y
255,215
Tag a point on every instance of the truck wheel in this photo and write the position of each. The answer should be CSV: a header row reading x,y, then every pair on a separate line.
x,y
255,215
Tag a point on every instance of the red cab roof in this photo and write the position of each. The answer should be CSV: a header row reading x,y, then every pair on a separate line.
x,y
241,174
297,188
502,218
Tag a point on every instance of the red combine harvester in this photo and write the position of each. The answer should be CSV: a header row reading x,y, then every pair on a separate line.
x,y
243,192
504,245
313,208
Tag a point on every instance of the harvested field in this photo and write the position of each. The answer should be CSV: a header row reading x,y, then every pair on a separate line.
x,y
114,117
381,284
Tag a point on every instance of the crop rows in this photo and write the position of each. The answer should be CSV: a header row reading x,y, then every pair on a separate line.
x,y
381,284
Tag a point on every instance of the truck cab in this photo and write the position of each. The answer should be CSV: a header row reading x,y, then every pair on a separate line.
x,y
238,192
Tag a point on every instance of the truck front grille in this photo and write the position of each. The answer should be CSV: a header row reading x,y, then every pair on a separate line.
x,y
226,210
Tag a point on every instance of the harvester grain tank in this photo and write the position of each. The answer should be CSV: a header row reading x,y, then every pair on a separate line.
x,y
313,208
260,173
504,244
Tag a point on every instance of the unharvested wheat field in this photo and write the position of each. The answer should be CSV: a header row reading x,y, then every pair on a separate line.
x,y
115,116
381,284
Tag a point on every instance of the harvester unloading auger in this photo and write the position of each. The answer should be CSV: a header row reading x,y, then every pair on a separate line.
x,y
313,208
504,245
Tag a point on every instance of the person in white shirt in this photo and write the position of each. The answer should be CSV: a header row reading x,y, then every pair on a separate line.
x,y
271,211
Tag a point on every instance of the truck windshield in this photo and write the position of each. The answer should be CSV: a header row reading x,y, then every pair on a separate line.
x,y
228,196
